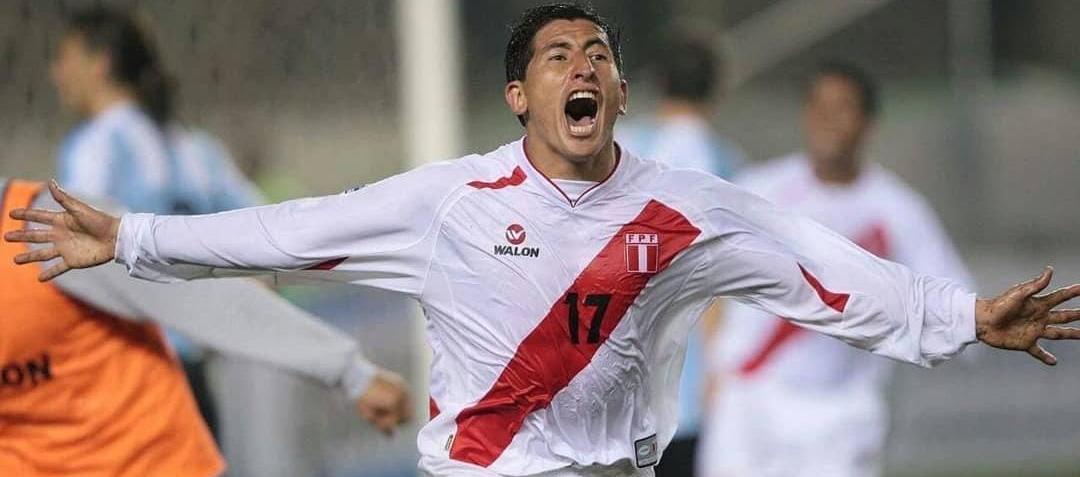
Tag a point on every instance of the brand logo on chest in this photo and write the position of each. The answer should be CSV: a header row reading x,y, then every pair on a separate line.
x,y
642,252
515,235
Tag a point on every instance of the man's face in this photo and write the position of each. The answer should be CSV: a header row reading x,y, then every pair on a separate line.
x,y
76,71
572,91
833,120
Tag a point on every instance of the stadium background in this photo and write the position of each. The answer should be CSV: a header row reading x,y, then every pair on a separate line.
x,y
981,105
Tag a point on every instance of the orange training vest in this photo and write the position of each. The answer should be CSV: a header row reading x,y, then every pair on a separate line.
x,y
83,393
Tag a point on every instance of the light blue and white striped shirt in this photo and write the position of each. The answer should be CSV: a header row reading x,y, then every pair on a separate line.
x,y
119,155
123,156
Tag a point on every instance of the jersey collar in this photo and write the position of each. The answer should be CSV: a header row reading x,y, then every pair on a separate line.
x,y
549,189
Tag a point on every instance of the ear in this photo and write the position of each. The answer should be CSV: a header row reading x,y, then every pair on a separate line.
x,y
624,97
515,97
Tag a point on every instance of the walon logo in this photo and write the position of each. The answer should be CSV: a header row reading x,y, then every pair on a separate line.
x,y
515,235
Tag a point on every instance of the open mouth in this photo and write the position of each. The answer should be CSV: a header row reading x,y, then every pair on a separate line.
x,y
581,111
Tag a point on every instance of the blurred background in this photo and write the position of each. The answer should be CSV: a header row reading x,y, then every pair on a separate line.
x,y
981,104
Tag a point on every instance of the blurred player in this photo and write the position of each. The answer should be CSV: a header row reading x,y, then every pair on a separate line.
x,y
679,133
796,403
558,320
690,75
130,148
88,387
108,72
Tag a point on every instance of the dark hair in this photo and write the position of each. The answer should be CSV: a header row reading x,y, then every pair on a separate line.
x,y
688,69
133,56
865,84
519,50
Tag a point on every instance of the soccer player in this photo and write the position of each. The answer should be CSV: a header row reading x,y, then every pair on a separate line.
x,y
108,72
795,403
689,73
88,386
557,319
130,148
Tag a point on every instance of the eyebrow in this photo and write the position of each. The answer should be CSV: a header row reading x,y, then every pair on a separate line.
x,y
558,44
596,41
569,46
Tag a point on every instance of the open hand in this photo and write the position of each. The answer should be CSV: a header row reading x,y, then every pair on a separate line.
x,y
80,234
1018,318
385,403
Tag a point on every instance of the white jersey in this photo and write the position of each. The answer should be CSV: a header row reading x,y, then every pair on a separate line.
x,y
797,403
558,330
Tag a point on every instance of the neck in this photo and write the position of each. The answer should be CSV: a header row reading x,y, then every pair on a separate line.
x,y
556,166
837,172
107,98
669,109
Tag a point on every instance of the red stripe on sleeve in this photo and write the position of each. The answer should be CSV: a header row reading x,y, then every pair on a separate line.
x,y
785,331
547,360
876,241
514,179
433,409
327,265
836,301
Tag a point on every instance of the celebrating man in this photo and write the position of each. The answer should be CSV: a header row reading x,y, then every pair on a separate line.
x,y
559,274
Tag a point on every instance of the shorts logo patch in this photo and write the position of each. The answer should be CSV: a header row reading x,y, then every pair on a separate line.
x,y
642,252
646,451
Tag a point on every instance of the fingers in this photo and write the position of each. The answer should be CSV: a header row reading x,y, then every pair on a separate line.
x,y
386,420
1060,317
65,200
30,236
40,216
1061,295
1061,333
1037,284
53,272
40,255
1041,354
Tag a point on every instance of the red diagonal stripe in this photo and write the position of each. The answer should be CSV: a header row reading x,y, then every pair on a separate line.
x,y
875,241
782,333
546,360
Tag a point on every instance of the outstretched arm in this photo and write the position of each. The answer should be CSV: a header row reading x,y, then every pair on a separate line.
x,y
381,235
796,268
242,317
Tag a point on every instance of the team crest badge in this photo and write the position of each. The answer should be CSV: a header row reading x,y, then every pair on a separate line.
x,y
642,253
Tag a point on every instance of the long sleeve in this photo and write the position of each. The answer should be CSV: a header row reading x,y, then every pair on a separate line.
x,y
234,316
798,269
381,235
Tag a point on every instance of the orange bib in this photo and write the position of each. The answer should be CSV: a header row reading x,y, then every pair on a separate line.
x,y
83,393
